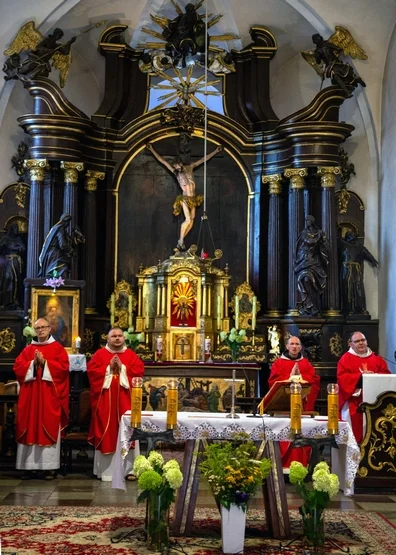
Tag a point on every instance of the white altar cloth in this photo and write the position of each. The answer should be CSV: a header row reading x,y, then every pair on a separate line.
x,y
77,363
200,425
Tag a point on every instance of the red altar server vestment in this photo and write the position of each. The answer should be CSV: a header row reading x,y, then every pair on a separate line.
x,y
43,401
110,395
350,368
280,371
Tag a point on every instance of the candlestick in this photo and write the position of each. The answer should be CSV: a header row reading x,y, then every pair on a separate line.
x,y
147,314
130,297
112,309
260,406
236,311
171,407
332,408
218,312
295,408
78,343
136,402
254,312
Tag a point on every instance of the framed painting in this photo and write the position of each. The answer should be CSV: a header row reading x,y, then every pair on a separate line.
x,y
62,309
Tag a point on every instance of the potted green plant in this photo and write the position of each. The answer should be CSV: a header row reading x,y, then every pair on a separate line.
x,y
158,481
316,498
234,474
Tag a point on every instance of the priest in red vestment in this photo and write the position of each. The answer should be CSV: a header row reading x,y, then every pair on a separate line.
x,y
110,373
359,360
291,364
42,370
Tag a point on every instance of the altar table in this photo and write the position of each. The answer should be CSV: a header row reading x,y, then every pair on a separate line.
x,y
198,426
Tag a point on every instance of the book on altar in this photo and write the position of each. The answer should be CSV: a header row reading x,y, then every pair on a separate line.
x,y
278,397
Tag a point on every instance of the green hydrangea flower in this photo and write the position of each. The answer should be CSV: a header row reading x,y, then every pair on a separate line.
x,y
156,459
174,477
149,480
171,464
140,465
322,466
297,473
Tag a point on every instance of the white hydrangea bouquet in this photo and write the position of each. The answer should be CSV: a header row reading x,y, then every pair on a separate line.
x,y
158,481
233,340
316,498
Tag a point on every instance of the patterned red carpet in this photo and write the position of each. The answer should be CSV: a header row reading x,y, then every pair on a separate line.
x,y
96,531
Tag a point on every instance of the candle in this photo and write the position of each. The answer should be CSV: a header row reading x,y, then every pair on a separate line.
x,y
207,345
254,312
295,408
130,311
147,313
112,309
136,402
159,345
218,312
171,407
236,311
332,409
78,342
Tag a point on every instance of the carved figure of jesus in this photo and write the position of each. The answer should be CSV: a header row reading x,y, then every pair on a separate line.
x,y
187,201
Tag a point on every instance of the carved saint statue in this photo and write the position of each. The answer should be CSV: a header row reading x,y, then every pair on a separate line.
x,y
31,55
187,201
326,61
312,257
11,252
353,254
59,248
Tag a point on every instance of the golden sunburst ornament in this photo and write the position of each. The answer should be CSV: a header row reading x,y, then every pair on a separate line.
x,y
183,300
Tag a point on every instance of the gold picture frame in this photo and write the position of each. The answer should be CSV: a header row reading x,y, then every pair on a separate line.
x,y
62,309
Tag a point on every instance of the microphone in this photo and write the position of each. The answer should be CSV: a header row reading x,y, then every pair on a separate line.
x,y
387,359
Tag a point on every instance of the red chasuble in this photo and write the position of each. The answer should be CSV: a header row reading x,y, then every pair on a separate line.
x,y
348,378
280,370
108,405
43,406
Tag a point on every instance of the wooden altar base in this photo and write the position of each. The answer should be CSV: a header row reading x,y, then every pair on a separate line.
x,y
274,492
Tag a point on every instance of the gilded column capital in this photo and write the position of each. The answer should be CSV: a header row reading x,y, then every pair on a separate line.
x,y
71,170
275,183
296,176
37,168
91,179
328,176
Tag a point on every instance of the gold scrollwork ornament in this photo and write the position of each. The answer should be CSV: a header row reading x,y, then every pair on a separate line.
x,y
7,341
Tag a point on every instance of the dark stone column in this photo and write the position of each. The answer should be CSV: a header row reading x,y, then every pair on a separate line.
x,y
331,294
275,266
70,200
90,246
296,224
37,170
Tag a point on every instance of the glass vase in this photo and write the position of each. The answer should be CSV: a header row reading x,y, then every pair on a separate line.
x,y
157,522
314,532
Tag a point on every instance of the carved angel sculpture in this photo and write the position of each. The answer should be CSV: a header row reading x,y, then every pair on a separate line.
x,y
326,61
31,55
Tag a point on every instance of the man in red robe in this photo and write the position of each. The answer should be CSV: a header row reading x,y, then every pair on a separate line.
x,y
288,366
42,370
110,373
359,360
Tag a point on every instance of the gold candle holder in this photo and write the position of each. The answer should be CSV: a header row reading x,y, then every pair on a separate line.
x,y
260,407
332,408
172,401
136,402
295,408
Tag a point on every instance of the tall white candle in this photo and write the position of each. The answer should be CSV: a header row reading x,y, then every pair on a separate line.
x,y
254,312
236,311
129,311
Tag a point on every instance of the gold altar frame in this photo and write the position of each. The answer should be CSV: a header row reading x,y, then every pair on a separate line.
x,y
67,302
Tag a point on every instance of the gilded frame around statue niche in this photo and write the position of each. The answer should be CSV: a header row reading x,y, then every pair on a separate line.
x,y
62,309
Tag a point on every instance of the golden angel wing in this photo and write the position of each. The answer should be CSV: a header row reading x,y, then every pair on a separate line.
x,y
343,39
62,62
309,57
27,38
